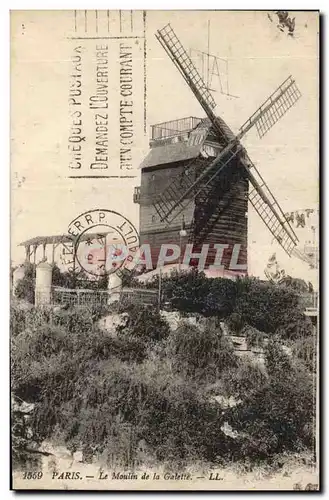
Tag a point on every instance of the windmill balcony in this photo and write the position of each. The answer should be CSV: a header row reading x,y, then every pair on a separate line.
x,y
170,131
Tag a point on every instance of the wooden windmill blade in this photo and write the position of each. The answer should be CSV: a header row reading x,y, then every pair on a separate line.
x,y
260,196
269,113
174,195
268,208
275,106
172,45
183,62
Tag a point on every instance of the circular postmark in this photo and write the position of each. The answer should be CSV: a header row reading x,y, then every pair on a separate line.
x,y
103,242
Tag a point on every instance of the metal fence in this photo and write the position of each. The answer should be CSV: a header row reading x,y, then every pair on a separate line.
x,y
87,297
174,127
79,296
140,296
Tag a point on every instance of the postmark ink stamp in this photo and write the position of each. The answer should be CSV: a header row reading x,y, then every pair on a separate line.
x,y
103,242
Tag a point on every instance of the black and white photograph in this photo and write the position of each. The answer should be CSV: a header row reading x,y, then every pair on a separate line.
x,y
164,261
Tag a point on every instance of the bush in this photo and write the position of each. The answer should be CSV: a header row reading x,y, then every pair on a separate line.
x,y
254,337
25,287
279,416
200,353
295,325
193,292
112,406
17,320
145,324
235,323
305,349
241,381
265,306
75,320
80,279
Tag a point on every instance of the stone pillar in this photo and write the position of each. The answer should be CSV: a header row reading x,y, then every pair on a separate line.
x,y
27,253
43,282
114,288
18,275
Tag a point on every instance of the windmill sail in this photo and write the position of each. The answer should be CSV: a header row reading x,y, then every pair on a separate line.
x,y
169,41
270,112
269,210
183,62
172,201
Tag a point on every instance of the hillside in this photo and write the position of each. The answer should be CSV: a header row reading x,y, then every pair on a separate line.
x,y
135,390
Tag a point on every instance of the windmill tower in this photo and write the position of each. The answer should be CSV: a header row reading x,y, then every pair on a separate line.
x,y
198,173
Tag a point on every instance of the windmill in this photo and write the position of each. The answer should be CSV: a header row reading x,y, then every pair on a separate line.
x,y
211,184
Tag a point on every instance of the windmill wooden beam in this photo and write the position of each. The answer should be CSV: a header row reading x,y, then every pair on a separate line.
x,y
265,117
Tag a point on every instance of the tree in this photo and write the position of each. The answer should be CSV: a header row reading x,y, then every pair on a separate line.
x,y
265,305
295,283
78,279
25,287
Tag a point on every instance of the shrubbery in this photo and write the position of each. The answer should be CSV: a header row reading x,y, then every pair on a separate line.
x,y
25,287
201,353
265,306
240,381
278,415
105,393
193,292
305,349
144,324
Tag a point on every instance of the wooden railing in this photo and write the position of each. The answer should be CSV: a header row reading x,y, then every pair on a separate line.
x,y
310,299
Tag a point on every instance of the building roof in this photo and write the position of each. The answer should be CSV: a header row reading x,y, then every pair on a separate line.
x,y
182,148
63,238
170,153
39,240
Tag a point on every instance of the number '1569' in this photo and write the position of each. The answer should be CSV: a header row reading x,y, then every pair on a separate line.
x,y
32,475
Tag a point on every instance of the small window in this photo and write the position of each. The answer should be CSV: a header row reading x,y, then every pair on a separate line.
x,y
153,177
154,218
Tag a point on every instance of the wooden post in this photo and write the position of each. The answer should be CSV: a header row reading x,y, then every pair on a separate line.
x,y
105,253
27,253
159,291
34,253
